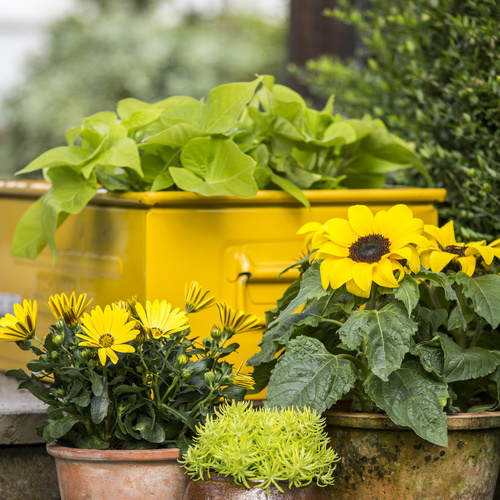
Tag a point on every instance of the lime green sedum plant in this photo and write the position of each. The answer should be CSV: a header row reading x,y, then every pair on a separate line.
x,y
244,137
262,447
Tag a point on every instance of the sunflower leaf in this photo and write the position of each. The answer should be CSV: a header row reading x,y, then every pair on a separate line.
x,y
483,291
387,333
308,375
466,364
413,398
407,292
310,287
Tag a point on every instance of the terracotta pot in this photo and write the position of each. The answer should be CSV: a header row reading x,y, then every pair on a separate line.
x,y
382,460
118,474
224,488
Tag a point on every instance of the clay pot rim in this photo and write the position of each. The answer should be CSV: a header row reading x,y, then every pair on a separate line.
x,y
462,421
64,452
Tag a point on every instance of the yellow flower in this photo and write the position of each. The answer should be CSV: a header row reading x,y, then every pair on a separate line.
x,y
160,320
445,249
196,298
108,330
236,321
69,309
20,325
315,234
243,380
368,248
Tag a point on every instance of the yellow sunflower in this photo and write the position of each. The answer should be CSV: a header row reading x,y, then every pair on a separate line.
x,y
109,331
369,248
196,298
444,249
160,320
70,309
236,321
20,325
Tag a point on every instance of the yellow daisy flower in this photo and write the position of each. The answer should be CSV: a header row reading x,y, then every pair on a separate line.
x,y
160,320
109,331
369,248
20,325
444,249
196,298
236,321
70,309
243,380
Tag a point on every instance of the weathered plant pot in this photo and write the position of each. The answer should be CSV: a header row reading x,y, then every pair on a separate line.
x,y
118,474
382,460
221,487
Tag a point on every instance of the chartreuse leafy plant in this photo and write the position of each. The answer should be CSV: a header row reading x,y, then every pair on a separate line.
x,y
262,448
244,137
393,315
127,376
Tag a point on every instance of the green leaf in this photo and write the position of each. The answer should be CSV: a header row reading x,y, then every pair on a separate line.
x,y
58,428
215,167
153,433
59,157
387,333
289,188
484,291
181,416
83,399
466,364
17,373
97,384
413,398
308,375
431,356
408,293
225,104
99,408
310,287
176,136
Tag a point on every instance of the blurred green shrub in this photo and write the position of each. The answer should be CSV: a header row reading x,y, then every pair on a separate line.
x,y
121,50
433,72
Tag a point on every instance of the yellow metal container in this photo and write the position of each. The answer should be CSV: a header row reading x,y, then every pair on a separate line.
x,y
152,244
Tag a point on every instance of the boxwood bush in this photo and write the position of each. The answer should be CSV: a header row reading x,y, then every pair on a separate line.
x,y
432,69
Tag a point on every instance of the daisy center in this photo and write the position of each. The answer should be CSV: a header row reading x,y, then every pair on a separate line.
x,y
369,248
457,250
106,340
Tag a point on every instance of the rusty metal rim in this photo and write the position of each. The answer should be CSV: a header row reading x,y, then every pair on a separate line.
x,y
34,189
63,452
462,421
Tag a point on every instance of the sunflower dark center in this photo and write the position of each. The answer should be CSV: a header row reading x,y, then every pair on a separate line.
x,y
457,250
369,248
106,340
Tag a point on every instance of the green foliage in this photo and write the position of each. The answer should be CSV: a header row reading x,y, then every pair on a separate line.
x,y
433,73
151,398
246,136
267,445
428,347
124,49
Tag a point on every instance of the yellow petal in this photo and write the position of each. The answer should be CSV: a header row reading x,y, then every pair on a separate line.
x,y
361,219
341,272
340,231
383,274
112,355
486,253
362,275
310,227
468,264
355,290
331,248
102,355
439,260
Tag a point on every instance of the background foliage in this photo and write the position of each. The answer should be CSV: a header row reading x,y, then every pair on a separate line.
x,y
433,74
121,49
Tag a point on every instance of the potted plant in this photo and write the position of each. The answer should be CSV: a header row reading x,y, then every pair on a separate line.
x,y
125,385
399,325
247,165
278,452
